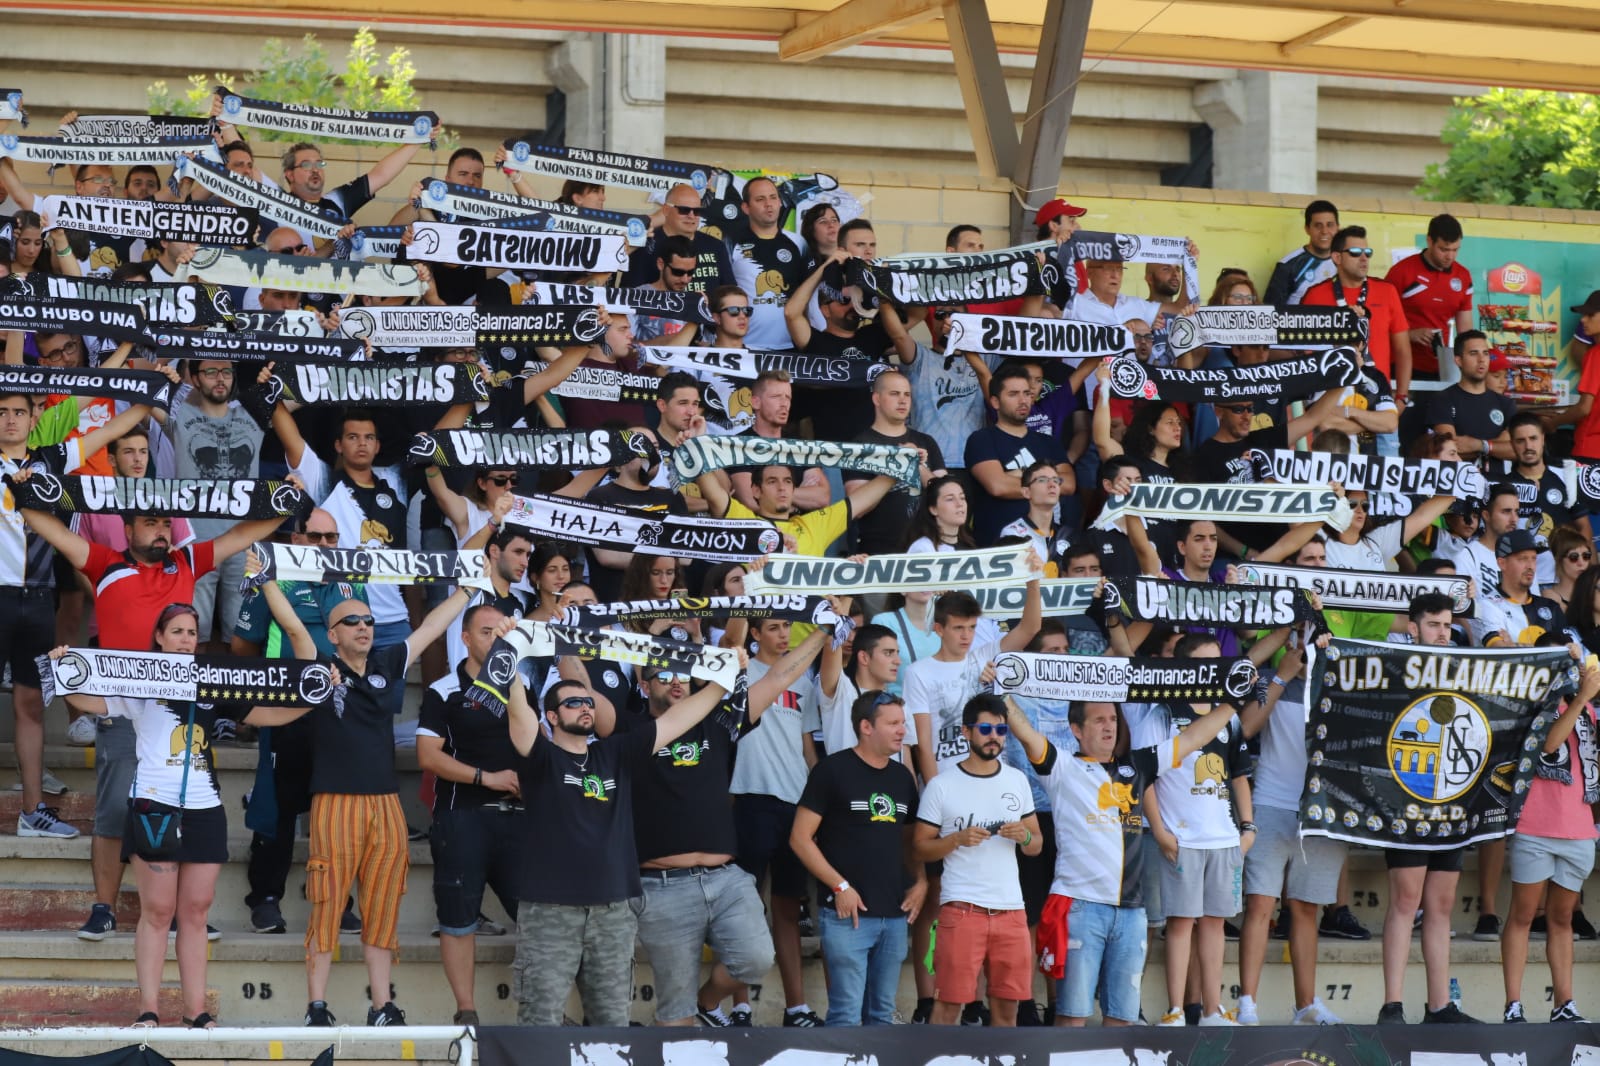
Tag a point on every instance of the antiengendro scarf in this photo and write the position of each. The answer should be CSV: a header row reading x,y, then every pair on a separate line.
x,y
790,608
1190,603
281,207
1357,590
154,675
297,273
1288,378
630,530
569,449
813,371
701,455
1228,503
488,246
613,168
395,566
376,384
541,640
1372,473
923,572
242,500
315,123
1050,338
202,223
1089,245
125,386
1103,679
1284,326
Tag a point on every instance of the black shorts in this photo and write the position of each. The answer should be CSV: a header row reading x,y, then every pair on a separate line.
x,y
762,825
1038,871
473,848
205,835
1448,861
27,630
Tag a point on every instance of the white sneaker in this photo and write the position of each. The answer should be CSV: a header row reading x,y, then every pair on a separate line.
x,y
1173,1017
1316,1014
81,733
1223,1017
50,785
42,822
1246,1014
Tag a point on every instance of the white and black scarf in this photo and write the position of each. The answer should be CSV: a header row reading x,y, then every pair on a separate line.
x,y
241,500
1189,603
242,345
700,455
392,566
298,273
368,384
1049,338
487,245
1108,679
984,277
1358,590
155,675
1061,596
196,223
631,530
1283,326
1557,765
923,572
317,123
145,387
613,168
1090,245
812,371
1371,473
165,303
1228,503
284,208
1287,378
133,127
158,152
469,201
814,610
567,449
119,321
688,306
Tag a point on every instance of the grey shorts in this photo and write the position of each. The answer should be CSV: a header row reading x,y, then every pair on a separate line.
x,y
115,756
1567,863
1150,879
1205,883
1311,863
217,598
679,915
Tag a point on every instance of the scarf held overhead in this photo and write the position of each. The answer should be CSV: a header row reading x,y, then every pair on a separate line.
x,y
377,384
154,675
120,322
685,306
1426,748
1358,590
1289,378
614,168
488,246
260,197
1104,679
158,152
627,529
296,273
395,566
244,345
244,499
983,277
696,456
790,608
571,449
165,303
1372,473
384,127
207,223
144,387
1284,326
1228,503
1055,338
815,371
468,201
928,572
1195,603
1091,246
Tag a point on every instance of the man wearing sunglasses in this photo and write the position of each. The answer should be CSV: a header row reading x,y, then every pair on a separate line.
x,y
581,871
676,264
681,217
767,262
1375,301
975,822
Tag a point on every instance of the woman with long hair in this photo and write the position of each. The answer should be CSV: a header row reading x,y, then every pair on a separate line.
x,y
549,571
180,886
1573,553
655,577
468,511
819,228
1583,608
1234,288
34,250
575,193
1154,439
940,524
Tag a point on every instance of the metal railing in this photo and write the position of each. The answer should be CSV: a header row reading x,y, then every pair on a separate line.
x,y
266,1042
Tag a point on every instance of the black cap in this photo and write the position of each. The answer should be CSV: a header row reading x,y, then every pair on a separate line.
x,y
1589,306
1518,540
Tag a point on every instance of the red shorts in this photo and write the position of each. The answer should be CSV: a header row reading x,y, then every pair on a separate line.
x,y
973,940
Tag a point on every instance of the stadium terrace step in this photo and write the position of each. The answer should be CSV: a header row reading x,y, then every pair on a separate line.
x,y
94,1001
76,808
33,905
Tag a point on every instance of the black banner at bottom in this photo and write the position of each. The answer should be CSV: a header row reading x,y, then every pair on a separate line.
x,y
908,1045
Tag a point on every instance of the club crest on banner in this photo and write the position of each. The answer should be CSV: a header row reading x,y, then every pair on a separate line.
x,y
1438,747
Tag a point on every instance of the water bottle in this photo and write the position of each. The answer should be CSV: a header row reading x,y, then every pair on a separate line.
x,y
1455,992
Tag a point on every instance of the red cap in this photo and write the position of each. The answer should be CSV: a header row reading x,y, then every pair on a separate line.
x,y
1055,209
1498,360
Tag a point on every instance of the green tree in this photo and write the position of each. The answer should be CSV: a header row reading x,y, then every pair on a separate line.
x,y
1520,146
303,74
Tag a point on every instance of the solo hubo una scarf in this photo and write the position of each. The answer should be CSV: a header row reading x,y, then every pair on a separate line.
x,y
1426,748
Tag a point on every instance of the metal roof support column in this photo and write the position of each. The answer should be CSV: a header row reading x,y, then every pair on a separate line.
x,y
1037,174
983,86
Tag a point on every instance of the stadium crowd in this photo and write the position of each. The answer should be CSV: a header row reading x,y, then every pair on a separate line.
x,y
871,788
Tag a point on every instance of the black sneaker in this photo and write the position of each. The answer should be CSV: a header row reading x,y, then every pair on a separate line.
x,y
415,835
975,1013
1513,1014
224,729
465,1017
1537,930
923,1013
808,925
388,1014
212,932
805,1019
739,1019
1488,928
1230,932
1567,1012
101,924
1581,928
350,922
267,917
1392,1014
1028,1013
711,1020
1280,928
1340,924
1192,1013
1449,1014
318,1016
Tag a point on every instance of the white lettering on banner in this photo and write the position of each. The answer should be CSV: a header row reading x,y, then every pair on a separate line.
x,y
358,384
960,286
1178,602
166,495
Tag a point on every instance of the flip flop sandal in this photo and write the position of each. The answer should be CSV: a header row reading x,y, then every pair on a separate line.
x,y
148,1020
203,1020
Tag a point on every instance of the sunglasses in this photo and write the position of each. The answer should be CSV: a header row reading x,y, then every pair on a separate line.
x,y
294,250
995,729
502,480
667,677
739,312
353,620
1576,556
319,537
572,703
675,272
1238,409
1364,253
942,314
682,210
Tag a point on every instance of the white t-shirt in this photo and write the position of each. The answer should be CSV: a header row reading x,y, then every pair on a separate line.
x,y
940,690
1374,551
1087,307
1196,801
772,759
984,875
387,603
1473,560
159,743
830,716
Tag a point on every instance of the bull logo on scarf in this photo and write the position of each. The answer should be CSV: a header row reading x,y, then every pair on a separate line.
x,y
1342,364
316,684
359,323
587,326
47,488
1241,680
286,499
1182,334
1128,247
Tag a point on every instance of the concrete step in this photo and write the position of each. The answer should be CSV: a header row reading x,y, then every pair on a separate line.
x,y
94,1001
36,905
75,807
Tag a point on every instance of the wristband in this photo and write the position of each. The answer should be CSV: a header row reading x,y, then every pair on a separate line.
x,y
841,887
1276,680
1247,827
477,776
1027,839
63,251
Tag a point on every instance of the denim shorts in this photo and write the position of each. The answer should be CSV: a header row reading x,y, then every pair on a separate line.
x,y
678,914
1105,954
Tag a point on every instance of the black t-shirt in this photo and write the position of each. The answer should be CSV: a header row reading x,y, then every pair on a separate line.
x,y
713,268
353,731
883,529
1541,506
577,835
471,734
680,798
1117,557
990,515
1218,461
836,414
864,815
607,583
1483,415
